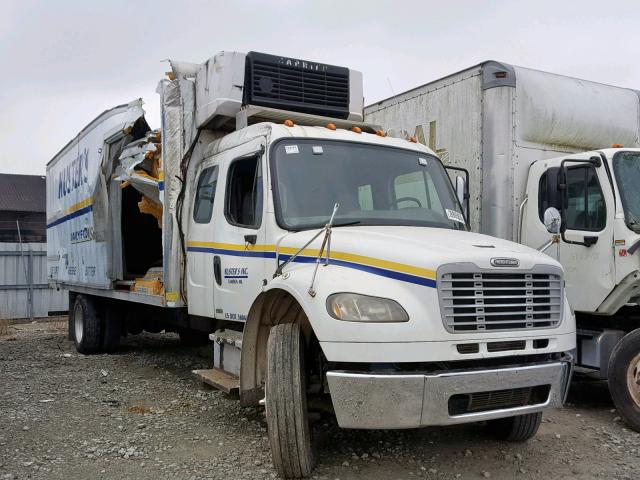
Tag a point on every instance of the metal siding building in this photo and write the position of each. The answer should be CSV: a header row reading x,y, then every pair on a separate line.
x,y
24,291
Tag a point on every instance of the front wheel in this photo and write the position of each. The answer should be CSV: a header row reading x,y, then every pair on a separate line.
x,y
286,402
516,429
624,378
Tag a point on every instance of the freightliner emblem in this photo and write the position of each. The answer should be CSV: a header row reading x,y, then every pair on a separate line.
x,y
505,262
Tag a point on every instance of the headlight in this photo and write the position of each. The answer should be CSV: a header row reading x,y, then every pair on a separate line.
x,y
352,307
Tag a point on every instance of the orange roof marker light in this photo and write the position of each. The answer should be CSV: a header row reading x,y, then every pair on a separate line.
x,y
288,123
331,126
356,129
381,133
617,145
413,139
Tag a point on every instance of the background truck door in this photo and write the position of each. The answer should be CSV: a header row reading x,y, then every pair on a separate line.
x,y
200,274
588,218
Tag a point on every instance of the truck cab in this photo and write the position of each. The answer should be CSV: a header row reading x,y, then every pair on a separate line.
x,y
596,196
359,240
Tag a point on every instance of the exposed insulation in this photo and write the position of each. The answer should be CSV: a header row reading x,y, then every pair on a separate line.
x,y
148,206
151,283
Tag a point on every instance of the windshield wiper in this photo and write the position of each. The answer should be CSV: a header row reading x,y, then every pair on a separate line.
x,y
326,242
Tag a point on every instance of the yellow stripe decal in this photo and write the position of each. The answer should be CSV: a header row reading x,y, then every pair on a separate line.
x,y
344,256
79,205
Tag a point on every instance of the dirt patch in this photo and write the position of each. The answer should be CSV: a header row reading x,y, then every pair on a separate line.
x,y
140,414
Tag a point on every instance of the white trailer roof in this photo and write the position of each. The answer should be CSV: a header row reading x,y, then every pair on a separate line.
x,y
551,109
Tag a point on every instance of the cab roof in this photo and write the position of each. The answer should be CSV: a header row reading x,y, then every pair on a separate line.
x,y
275,131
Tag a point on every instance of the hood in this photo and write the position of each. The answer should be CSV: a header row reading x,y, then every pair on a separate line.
x,y
415,250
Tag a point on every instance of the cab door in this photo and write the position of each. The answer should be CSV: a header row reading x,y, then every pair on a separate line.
x,y
239,238
586,202
200,274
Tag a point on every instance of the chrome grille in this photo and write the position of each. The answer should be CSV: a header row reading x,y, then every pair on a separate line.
x,y
489,300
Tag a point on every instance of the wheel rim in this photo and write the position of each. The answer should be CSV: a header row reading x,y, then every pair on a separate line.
x,y
78,322
633,379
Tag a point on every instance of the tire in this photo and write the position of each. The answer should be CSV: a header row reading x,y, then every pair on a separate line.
x,y
516,429
286,403
87,325
193,338
624,378
112,327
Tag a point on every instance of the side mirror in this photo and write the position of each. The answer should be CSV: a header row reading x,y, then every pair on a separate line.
x,y
553,223
461,190
552,220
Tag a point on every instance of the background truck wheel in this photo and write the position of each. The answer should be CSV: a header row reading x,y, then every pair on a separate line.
x,y
516,429
624,378
112,327
286,402
193,338
87,325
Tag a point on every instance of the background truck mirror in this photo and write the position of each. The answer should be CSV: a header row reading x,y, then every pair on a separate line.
x,y
552,220
462,190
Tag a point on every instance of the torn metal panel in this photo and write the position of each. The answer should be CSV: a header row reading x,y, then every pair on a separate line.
x,y
141,166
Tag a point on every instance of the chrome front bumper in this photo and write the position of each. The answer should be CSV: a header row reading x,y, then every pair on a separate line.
x,y
389,401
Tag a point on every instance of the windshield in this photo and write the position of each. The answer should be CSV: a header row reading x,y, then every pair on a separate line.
x,y
626,166
374,185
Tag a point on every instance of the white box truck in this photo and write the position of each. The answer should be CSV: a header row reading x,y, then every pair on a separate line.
x,y
329,262
532,141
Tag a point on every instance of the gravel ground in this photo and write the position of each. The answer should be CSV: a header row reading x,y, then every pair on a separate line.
x,y
139,414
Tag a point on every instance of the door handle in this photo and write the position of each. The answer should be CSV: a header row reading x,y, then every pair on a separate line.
x,y
217,269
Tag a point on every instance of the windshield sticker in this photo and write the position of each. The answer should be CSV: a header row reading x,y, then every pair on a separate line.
x,y
317,150
422,161
455,216
291,149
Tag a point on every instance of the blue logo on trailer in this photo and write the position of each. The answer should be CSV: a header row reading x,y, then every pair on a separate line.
x,y
76,173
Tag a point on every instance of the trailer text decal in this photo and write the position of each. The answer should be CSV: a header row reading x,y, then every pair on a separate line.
x,y
74,174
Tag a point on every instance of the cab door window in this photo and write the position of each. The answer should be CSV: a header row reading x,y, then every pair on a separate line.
x,y
584,201
244,193
205,193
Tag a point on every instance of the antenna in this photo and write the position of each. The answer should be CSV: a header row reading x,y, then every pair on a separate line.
x,y
391,87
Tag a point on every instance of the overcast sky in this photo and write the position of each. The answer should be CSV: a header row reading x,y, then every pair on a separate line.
x,y
64,62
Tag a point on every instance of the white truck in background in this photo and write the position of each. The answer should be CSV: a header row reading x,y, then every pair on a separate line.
x,y
533,141
330,263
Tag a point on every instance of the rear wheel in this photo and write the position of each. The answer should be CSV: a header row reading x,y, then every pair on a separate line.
x,y
516,429
87,325
624,378
286,402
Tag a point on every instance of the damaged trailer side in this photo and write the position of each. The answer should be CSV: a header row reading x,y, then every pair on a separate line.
x,y
106,209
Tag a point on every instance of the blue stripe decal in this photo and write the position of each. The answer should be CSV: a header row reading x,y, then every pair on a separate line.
x,y
404,277
235,253
161,185
75,214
